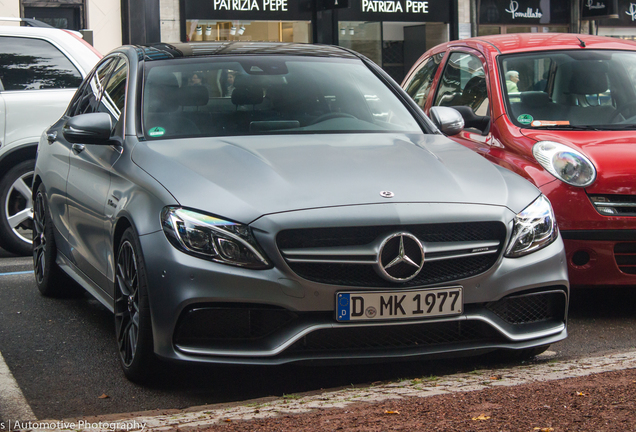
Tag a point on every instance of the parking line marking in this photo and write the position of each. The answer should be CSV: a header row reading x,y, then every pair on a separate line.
x,y
13,405
16,273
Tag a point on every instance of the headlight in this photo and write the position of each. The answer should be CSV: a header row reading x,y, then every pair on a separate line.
x,y
212,238
565,163
534,228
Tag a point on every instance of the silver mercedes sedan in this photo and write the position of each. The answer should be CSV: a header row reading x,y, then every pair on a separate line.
x,y
260,203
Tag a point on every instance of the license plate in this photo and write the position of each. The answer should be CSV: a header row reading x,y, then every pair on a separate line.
x,y
373,305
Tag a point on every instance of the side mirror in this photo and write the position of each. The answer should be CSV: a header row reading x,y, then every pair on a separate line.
x,y
93,128
448,120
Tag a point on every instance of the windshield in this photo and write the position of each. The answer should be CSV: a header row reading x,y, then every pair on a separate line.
x,y
583,89
268,95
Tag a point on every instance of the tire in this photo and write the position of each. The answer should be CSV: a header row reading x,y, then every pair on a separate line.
x,y
49,278
133,327
16,203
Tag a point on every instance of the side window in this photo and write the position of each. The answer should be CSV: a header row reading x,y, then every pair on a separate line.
x,y
114,96
464,84
420,85
34,64
87,98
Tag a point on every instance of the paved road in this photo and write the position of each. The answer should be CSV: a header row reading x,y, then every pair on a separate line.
x,y
62,354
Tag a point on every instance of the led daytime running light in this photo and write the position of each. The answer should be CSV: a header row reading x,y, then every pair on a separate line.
x,y
210,237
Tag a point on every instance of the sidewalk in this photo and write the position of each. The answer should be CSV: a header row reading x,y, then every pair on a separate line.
x,y
592,394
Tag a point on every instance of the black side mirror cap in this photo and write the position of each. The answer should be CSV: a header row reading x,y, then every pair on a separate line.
x,y
93,128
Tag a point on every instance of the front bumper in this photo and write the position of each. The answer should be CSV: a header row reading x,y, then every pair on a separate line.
x,y
273,316
601,257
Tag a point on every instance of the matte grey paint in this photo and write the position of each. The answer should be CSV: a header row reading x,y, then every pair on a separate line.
x,y
274,183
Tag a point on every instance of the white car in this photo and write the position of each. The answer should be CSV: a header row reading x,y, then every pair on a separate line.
x,y
40,70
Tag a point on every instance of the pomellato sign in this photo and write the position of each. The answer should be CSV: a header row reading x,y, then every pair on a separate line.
x,y
525,12
597,9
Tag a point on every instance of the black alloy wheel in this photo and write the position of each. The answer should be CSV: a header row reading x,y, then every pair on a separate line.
x,y
127,303
49,278
132,314
39,239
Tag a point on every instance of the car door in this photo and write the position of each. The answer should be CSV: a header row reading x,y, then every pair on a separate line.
x,y
89,175
464,85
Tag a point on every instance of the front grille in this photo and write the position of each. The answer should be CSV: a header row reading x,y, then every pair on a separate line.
x,y
615,205
361,272
378,338
203,325
357,236
365,275
625,255
530,308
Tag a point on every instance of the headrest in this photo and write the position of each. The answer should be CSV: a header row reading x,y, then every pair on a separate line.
x,y
245,92
535,99
589,77
196,95
160,78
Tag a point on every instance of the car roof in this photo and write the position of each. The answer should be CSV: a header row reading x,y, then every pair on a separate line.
x,y
205,49
525,42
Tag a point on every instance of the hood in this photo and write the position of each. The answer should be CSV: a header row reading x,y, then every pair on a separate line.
x,y
613,153
242,178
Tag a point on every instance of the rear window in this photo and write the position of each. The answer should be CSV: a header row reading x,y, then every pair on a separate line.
x,y
268,95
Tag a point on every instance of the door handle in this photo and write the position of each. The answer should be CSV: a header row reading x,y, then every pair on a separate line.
x,y
51,137
78,148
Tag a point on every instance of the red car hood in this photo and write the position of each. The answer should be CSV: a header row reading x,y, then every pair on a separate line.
x,y
613,153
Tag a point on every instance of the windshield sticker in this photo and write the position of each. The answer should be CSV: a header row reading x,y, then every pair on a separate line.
x,y
525,119
538,123
156,131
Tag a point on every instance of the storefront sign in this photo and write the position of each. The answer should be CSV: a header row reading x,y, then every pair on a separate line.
x,y
598,9
625,17
632,11
248,9
528,13
396,10
525,12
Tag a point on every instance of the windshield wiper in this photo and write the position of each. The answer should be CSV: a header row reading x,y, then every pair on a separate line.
x,y
573,127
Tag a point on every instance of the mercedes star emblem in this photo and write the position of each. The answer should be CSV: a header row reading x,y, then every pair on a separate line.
x,y
387,194
401,257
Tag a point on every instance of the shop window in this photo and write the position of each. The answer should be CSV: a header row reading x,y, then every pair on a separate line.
x,y
269,31
363,37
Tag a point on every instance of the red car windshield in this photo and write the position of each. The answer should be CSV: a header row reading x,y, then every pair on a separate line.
x,y
583,89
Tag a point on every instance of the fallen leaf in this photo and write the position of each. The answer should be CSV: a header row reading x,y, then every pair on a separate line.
x,y
481,417
227,420
496,377
103,396
545,429
391,412
582,394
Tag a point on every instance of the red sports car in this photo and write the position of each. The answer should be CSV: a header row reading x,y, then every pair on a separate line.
x,y
559,110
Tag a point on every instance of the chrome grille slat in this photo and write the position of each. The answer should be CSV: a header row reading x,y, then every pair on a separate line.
x,y
368,254
614,205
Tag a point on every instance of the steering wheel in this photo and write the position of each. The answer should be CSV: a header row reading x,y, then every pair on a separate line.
x,y
332,115
627,106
